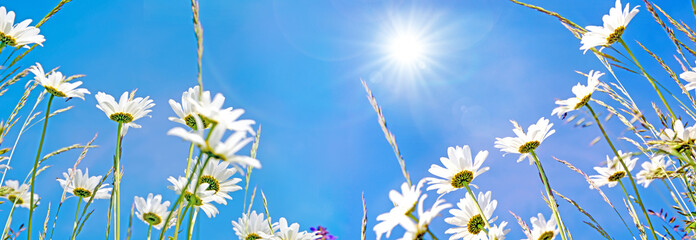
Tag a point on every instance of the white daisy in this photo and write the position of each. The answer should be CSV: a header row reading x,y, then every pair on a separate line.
x,y
543,230
217,175
459,170
126,110
404,204
292,232
653,169
153,211
614,171
201,198
213,145
467,219
195,103
19,194
689,76
678,138
415,231
82,185
498,232
524,143
17,35
614,26
56,85
252,226
582,95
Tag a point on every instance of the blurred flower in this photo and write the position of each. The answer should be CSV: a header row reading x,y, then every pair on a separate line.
x,y
291,232
470,224
213,146
614,26
498,232
404,204
541,229
415,231
126,110
56,85
200,198
525,143
689,76
82,185
20,34
582,95
252,226
322,233
653,169
678,139
210,111
217,176
614,171
153,211
20,195
459,169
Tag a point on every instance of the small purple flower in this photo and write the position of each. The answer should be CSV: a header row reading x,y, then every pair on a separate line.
x,y
321,231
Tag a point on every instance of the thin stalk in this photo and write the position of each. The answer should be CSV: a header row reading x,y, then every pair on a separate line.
x,y
623,164
149,231
117,184
36,165
180,207
77,215
485,218
180,220
188,183
181,196
189,232
549,193
416,220
650,79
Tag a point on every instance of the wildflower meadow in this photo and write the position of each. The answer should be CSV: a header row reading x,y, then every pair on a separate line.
x,y
325,120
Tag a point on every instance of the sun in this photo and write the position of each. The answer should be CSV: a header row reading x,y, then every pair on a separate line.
x,y
406,48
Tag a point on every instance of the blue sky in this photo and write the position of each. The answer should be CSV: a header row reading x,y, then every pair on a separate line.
x,y
295,67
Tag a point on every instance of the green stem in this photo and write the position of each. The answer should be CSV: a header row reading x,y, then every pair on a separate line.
x,y
485,218
149,230
645,74
180,207
36,165
117,184
181,196
623,164
549,193
77,215
190,223
415,219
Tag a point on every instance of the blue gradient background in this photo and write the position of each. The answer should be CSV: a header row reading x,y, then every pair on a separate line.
x,y
296,68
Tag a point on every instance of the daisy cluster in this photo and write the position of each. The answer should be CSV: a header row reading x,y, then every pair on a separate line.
x,y
473,217
217,132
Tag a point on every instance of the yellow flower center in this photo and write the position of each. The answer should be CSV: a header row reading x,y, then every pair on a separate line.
x,y
15,199
616,176
81,192
583,101
54,92
462,179
213,184
7,40
528,147
152,218
193,199
475,225
121,117
546,236
616,35
252,236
